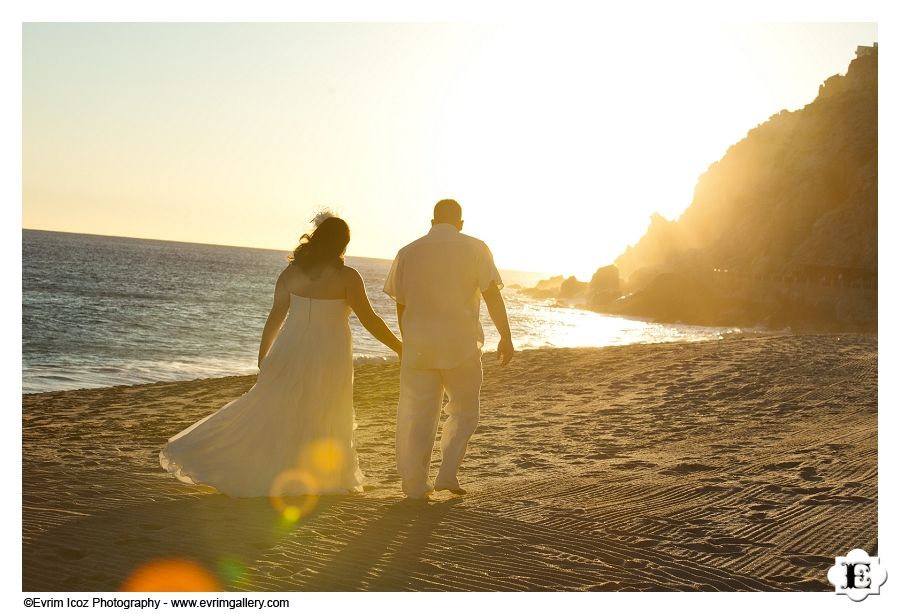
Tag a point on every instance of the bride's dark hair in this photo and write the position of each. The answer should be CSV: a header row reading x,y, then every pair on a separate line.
x,y
325,245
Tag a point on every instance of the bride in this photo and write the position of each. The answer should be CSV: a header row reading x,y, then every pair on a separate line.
x,y
292,433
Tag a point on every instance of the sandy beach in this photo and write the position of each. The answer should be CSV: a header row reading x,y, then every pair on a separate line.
x,y
745,464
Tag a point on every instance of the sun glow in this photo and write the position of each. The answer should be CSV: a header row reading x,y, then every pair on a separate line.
x,y
171,575
562,140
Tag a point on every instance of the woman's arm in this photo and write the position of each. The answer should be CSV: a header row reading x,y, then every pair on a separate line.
x,y
280,305
359,302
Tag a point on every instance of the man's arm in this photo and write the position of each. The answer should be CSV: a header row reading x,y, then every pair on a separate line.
x,y
393,288
497,310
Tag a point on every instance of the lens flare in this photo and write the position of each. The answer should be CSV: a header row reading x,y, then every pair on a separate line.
x,y
293,494
231,569
171,575
324,460
326,456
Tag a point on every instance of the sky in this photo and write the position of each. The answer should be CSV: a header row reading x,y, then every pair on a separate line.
x,y
558,139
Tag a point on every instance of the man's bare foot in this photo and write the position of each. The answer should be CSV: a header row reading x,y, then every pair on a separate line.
x,y
456,489
417,492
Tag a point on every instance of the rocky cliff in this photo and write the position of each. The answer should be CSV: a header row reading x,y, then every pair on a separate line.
x,y
782,230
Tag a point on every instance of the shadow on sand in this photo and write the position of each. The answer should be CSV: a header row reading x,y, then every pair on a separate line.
x,y
344,543
359,543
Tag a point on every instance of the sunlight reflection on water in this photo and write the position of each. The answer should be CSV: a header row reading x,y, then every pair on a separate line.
x,y
127,311
538,324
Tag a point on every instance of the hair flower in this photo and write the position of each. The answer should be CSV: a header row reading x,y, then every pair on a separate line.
x,y
321,216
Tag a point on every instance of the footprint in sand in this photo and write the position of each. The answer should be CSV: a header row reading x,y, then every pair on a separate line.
x,y
709,488
634,464
810,475
785,465
71,554
811,560
763,506
713,548
682,468
822,499
603,455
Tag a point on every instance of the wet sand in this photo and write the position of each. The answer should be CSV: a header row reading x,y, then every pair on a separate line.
x,y
741,464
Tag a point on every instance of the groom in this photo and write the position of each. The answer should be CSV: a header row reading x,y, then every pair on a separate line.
x,y
438,282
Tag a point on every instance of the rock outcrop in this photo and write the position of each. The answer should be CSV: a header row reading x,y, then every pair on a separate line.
x,y
781,231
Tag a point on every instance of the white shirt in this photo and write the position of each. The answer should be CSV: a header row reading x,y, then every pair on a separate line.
x,y
439,279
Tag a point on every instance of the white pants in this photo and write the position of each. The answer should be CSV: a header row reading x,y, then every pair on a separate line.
x,y
418,414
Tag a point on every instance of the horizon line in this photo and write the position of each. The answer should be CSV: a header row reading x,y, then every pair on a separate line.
x,y
267,249
95,234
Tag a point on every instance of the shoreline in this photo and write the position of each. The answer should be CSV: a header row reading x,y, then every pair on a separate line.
x,y
369,360
717,465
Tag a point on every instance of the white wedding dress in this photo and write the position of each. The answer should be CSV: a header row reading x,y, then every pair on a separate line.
x,y
293,432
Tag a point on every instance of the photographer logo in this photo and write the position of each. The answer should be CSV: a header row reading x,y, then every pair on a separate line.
x,y
857,575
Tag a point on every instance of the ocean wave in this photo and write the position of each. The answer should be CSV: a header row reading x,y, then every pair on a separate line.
x,y
121,316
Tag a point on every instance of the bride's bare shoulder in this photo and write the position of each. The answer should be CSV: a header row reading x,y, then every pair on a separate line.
x,y
353,281
289,273
349,274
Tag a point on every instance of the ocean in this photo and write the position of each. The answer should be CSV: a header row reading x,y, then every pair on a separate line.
x,y
104,311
